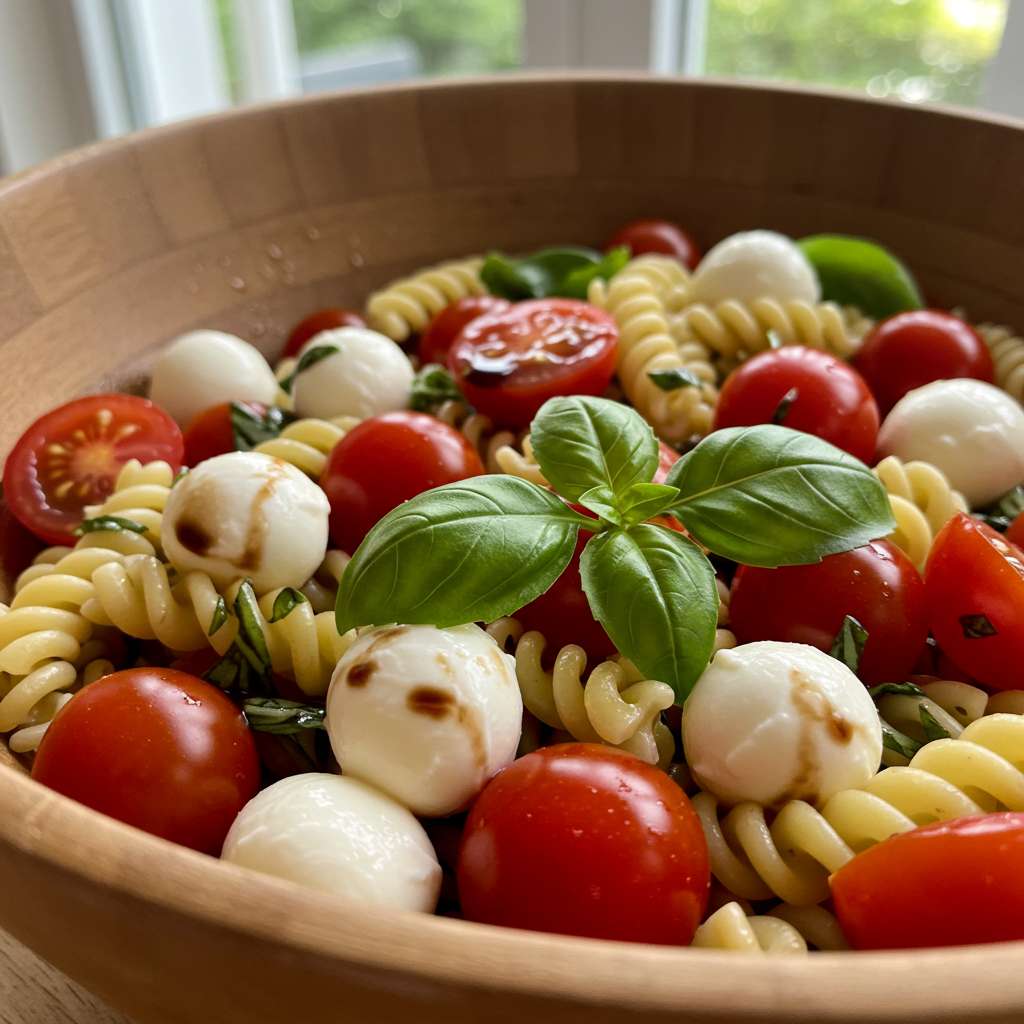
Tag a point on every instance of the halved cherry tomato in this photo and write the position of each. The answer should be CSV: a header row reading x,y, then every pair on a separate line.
x,y
386,460
1015,534
952,883
974,583
436,340
509,364
806,604
211,432
660,236
70,458
322,320
585,840
912,349
804,389
157,749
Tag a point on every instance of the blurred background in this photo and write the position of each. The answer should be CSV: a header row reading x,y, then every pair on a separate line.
x,y
72,71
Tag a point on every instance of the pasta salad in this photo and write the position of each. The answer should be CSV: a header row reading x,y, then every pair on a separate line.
x,y
634,594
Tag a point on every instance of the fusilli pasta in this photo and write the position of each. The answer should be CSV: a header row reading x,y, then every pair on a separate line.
x,y
305,444
730,929
408,305
500,451
140,494
1007,349
981,771
922,503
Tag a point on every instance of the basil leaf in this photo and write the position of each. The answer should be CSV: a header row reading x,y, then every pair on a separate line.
x,y
848,646
654,592
774,339
113,523
431,387
282,717
932,729
250,640
674,379
601,501
309,358
179,476
1003,512
540,275
250,427
893,739
896,690
466,552
785,404
769,496
977,627
220,616
583,442
576,284
642,501
857,272
285,602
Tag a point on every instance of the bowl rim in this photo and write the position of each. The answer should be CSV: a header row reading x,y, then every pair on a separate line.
x,y
45,826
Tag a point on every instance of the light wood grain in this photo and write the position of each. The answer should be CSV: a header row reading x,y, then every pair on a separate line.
x,y
107,253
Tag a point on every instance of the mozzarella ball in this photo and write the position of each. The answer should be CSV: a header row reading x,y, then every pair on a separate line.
x,y
369,375
205,368
773,721
246,515
970,430
426,714
341,836
755,265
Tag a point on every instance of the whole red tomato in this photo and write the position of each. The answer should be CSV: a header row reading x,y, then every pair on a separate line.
x,y
912,349
582,839
660,236
387,460
436,340
322,320
974,583
948,884
806,604
804,389
157,749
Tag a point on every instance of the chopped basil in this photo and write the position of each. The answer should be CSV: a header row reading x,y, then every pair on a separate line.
x,y
932,729
774,340
288,599
1001,514
249,427
246,666
565,271
179,476
848,646
114,523
977,627
309,358
896,690
282,717
893,739
785,404
220,616
431,387
674,379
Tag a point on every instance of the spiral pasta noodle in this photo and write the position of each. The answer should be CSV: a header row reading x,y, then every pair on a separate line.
x,y
1007,349
322,590
922,503
633,298
140,495
614,705
307,443
791,858
785,930
408,305
501,451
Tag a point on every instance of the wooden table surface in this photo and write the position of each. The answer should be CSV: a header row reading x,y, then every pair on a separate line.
x,y
33,992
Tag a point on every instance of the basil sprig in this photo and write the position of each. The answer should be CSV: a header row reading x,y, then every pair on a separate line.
x,y
487,546
432,386
565,272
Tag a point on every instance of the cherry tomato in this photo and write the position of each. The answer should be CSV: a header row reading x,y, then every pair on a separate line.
x,y
587,840
322,320
70,458
1015,534
509,364
974,584
436,340
804,389
667,458
806,604
660,236
387,460
211,432
157,749
952,883
912,349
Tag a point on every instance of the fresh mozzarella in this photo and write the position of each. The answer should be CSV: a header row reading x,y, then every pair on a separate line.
x,y
368,375
773,721
341,836
204,368
970,430
246,514
426,714
755,265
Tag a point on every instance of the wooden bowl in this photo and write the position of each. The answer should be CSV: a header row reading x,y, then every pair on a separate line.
x,y
249,220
